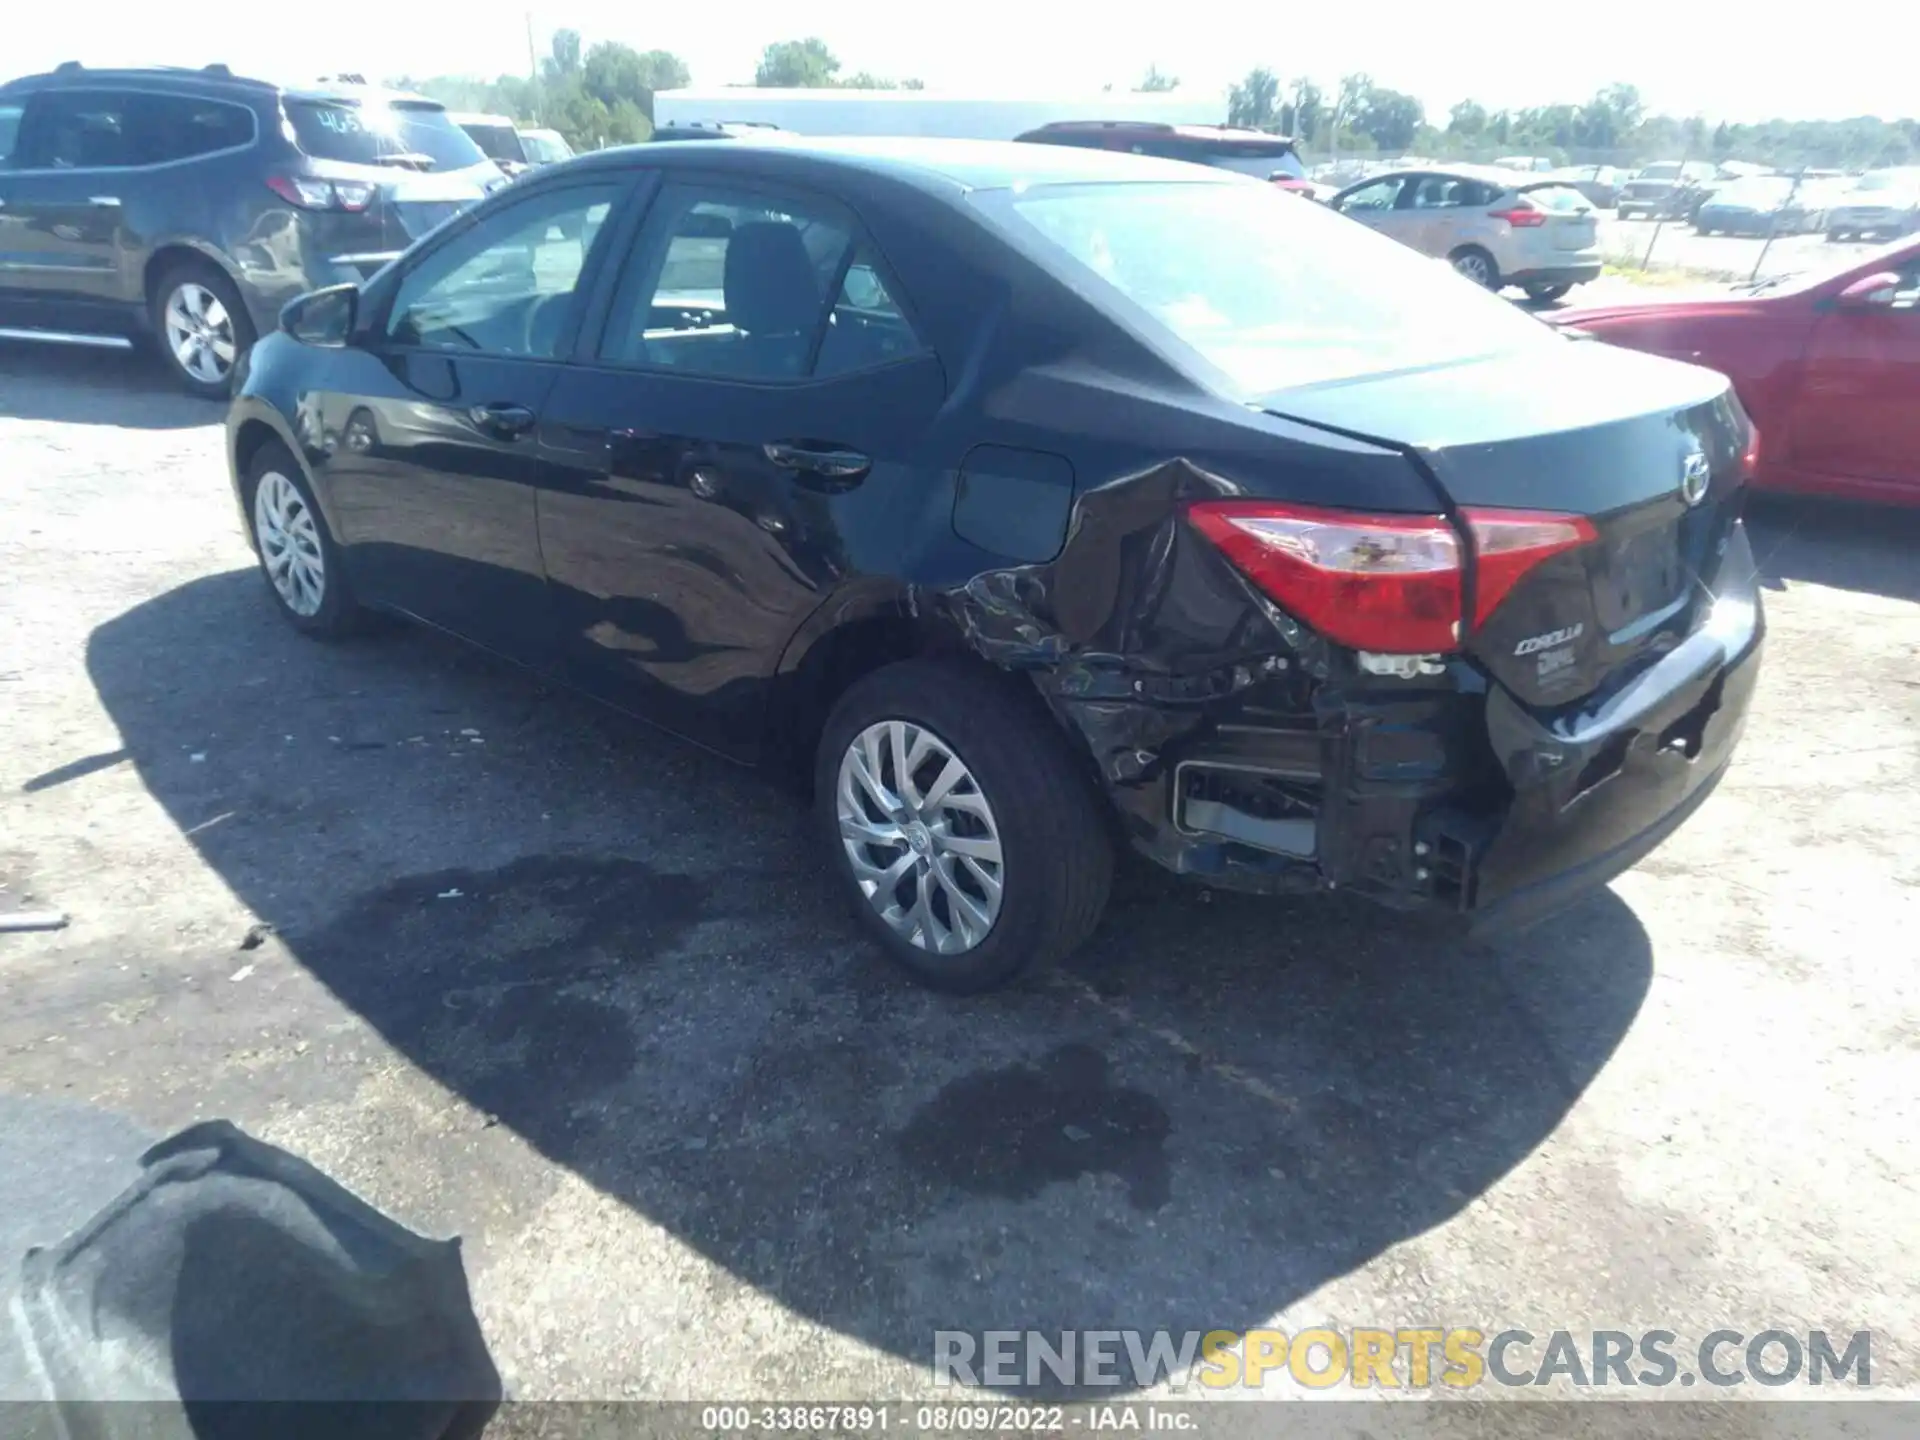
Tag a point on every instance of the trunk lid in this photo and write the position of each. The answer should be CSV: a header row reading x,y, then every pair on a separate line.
x,y
1588,430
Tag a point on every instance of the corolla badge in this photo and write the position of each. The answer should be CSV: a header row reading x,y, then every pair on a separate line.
x,y
1695,476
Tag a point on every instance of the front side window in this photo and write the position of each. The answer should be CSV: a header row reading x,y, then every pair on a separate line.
x,y
1379,196
508,285
409,134
1271,293
76,130
731,284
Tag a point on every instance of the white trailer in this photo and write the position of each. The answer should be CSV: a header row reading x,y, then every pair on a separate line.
x,y
924,112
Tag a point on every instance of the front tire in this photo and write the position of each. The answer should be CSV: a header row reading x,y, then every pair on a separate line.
x,y
969,842
298,557
202,326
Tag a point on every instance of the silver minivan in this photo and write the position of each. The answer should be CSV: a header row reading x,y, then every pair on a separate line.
x,y
1496,227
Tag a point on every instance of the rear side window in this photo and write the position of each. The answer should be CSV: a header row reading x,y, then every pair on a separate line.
x,y
9,129
179,127
404,133
744,286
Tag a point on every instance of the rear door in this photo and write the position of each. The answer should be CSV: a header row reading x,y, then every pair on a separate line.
x,y
428,457
1858,412
744,433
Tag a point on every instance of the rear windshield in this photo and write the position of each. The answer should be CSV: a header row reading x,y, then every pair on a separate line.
x,y
1272,293
405,132
496,142
1560,199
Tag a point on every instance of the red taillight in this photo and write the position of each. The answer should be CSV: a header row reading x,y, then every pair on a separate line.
x,y
1374,582
1390,583
1750,457
1521,217
311,193
1509,543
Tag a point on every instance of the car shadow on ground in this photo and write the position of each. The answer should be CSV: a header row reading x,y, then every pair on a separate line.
x,y
1836,543
629,953
86,385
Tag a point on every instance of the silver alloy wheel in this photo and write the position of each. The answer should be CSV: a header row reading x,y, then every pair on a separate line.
x,y
1475,267
200,332
921,837
289,543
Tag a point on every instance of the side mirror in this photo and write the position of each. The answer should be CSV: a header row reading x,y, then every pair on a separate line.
x,y
1870,292
323,317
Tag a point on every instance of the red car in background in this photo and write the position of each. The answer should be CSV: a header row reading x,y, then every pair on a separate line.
x,y
1828,366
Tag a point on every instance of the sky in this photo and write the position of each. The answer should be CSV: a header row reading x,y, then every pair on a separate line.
x,y
1686,56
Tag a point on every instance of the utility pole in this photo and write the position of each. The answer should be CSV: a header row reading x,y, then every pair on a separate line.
x,y
533,71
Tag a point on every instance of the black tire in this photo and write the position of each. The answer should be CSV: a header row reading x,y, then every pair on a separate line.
x,y
338,614
1547,294
1834,236
238,326
1057,855
1699,229
1474,255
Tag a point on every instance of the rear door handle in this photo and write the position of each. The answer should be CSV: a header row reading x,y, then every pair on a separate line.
x,y
828,461
503,419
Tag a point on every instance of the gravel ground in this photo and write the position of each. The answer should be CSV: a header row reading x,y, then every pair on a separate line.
x,y
546,980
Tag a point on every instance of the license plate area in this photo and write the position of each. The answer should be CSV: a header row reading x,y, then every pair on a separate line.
x,y
1640,577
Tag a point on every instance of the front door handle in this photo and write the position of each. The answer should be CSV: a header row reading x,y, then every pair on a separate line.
x,y
503,419
830,462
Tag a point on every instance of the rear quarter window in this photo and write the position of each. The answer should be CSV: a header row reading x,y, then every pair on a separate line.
x,y
1560,199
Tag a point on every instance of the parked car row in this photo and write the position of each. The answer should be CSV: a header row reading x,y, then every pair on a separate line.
x,y
513,148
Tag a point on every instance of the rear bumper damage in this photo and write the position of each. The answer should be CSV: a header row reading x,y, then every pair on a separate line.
x,y
1241,750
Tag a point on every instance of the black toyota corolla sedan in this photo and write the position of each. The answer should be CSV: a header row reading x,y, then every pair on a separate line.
x,y
1034,502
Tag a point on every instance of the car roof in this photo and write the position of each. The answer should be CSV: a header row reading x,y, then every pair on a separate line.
x,y
926,163
1486,174
213,80
474,117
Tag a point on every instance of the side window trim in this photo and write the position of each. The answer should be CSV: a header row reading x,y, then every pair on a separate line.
x,y
32,120
377,328
592,337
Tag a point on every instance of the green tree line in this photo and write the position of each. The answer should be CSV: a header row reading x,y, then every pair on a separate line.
x,y
1614,127
603,95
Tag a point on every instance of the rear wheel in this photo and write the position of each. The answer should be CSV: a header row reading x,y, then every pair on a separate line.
x,y
202,326
971,845
1837,235
1547,294
1477,265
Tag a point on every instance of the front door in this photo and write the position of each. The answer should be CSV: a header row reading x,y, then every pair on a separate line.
x,y
744,436
429,435
1378,206
1858,414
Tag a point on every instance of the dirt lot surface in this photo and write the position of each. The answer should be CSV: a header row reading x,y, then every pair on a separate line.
x,y
580,994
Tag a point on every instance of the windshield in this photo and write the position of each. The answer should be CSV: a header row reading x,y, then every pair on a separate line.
x,y
1890,256
1660,172
408,132
496,142
1272,293
1756,192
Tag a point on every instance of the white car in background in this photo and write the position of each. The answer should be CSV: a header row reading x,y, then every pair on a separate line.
x,y
1882,203
1495,227
545,147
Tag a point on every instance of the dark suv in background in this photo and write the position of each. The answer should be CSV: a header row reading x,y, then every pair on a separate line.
x,y
187,206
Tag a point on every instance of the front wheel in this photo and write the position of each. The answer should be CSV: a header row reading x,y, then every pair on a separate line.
x,y
203,327
297,552
1477,265
971,845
